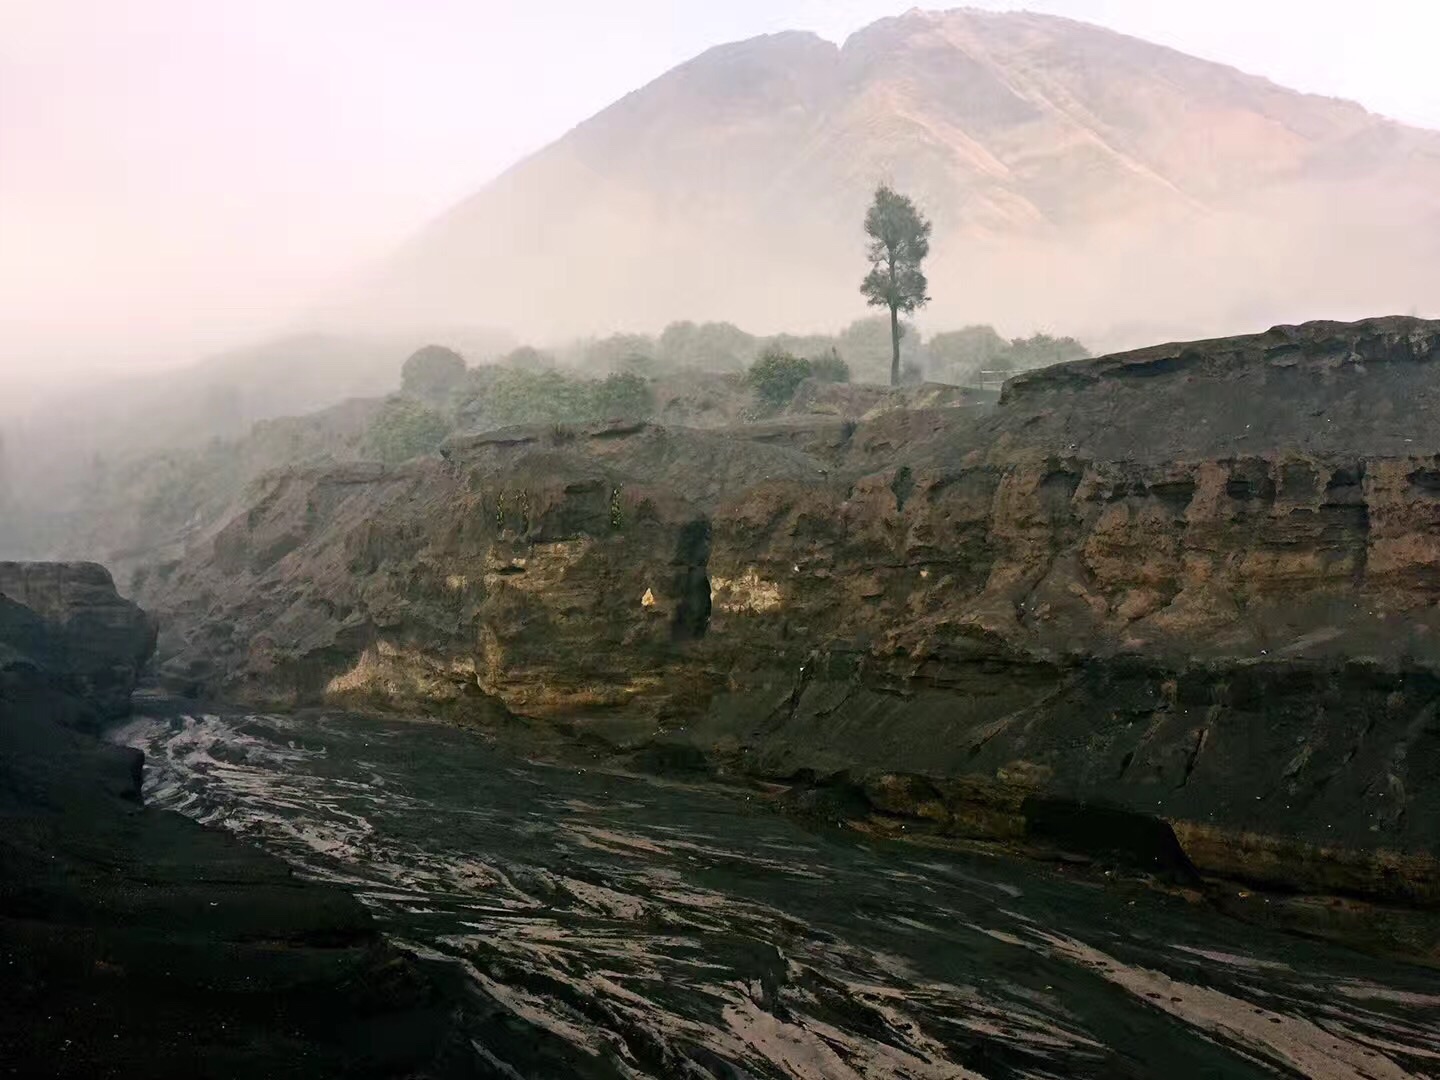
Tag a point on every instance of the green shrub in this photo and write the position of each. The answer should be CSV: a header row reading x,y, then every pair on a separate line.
x,y
518,396
404,429
624,396
829,367
776,375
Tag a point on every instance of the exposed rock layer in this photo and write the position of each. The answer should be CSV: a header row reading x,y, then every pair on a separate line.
x,y
1198,581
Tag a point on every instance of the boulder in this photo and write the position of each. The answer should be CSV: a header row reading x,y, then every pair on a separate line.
x,y
63,624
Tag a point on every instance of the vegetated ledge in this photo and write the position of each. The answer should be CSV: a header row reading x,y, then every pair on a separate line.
x,y
137,942
1208,596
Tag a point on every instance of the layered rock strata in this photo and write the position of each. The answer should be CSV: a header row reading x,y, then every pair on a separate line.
x,y
1198,582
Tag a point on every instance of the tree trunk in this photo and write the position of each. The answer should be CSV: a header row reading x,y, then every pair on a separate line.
x,y
894,345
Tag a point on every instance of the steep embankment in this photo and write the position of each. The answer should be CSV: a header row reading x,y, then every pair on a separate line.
x,y
1197,581
137,943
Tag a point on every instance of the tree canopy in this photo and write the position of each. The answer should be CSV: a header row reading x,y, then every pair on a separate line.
x,y
501,396
404,429
432,372
713,346
776,375
622,396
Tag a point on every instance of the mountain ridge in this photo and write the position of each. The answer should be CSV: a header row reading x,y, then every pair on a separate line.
x,y
1052,155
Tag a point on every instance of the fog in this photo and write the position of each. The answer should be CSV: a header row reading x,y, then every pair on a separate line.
x,y
179,178
630,517
213,215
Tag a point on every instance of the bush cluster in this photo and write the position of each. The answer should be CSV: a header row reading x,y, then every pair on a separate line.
x,y
776,375
499,397
403,429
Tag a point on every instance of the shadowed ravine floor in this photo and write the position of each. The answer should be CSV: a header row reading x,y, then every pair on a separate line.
x,y
618,926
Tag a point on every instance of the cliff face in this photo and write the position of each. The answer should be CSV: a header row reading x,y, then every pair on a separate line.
x,y
1199,581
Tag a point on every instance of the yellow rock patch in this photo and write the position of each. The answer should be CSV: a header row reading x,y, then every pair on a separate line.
x,y
386,670
747,593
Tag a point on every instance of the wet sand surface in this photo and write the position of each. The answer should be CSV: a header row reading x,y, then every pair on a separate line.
x,y
616,926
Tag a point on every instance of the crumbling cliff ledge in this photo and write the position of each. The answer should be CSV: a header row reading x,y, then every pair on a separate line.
x,y
136,942
1200,582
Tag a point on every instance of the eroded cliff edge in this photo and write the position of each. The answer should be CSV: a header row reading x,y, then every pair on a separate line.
x,y
134,942
1197,581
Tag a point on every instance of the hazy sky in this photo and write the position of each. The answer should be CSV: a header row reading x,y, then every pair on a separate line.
x,y
176,175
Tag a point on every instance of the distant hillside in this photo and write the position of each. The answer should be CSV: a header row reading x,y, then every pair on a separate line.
x,y
221,396
67,458
1079,180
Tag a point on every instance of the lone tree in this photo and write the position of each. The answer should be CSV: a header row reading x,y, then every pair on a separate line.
x,y
899,240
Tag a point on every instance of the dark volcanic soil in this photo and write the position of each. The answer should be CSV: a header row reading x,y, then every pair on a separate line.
x,y
615,926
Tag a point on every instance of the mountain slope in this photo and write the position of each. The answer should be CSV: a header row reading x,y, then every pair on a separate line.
x,y
1078,179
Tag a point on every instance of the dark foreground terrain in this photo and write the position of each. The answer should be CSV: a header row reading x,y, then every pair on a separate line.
x,y
136,943
618,926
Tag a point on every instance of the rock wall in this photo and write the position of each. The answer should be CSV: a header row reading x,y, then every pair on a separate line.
x,y
1198,581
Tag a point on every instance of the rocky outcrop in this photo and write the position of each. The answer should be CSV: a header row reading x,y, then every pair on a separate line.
x,y
1197,582
63,623
137,943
